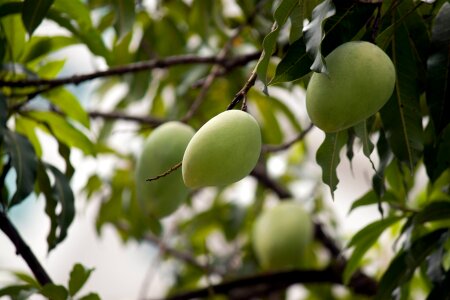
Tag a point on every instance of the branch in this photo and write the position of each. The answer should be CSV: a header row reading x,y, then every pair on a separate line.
x,y
259,285
299,137
122,116
24,250
243,92
133,68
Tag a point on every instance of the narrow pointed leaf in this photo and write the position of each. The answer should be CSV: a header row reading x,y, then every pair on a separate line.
x,y
34,11
125,15
314,34
328,157
281,15
363,135
24,161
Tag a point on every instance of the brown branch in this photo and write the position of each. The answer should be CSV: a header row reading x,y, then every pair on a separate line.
x,y
243,92
299,137
173,168
132,68
261,284
148,120
24,250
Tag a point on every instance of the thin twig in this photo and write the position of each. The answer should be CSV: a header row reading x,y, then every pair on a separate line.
x,y
299,137
173,168
131,68
148,120
24,250
243,92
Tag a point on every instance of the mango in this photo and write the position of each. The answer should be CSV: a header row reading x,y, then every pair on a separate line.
x,y
224,150
281,235
163,149
361,80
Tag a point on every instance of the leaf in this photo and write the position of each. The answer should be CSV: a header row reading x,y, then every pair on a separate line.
x,y
385,155
297,17
281,15
363,135
401,115
314,34
294,65
10,8
19,291
13,31
125,16
439,210
367,199
438,77
436,156
27,128
24,161
78,277
327,157
54,292
402,267
3,111
362,241
34,11
90,296
68,104
442,289
62,130
39,46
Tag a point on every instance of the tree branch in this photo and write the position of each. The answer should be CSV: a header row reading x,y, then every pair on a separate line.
x,y
24,250
148,120
243,92
133,68
277,148
259,285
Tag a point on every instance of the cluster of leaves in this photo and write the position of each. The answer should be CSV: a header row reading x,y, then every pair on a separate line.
x,y
412,131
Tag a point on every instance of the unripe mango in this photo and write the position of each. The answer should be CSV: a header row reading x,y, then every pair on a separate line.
x,y
163,149
281,236
361,80
223,151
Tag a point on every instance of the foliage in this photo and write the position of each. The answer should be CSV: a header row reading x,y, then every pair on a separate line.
x,y
189,61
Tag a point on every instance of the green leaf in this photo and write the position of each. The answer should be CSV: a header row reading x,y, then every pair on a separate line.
x,y
294,65
368,198
27,128
34,11
363,135
90,296
14,33
24,161
69,105
62,130
436,156
78,277
281,15
10,8
401,116
403,266
328,158
19,291
438,77
439,210
58,192
3,111
125,15
442,289
297,17
314,34
54,292
39,46
362,241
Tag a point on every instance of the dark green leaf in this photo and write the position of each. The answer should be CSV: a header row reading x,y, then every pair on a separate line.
x,y
436,156
39,46
24,161
405,263
328,157
54,292
78,277
297,17
385,155
441,290
34,11
3,111
434,211
90,296
281,15
401,115
27,128
294,65
363,240
10,8
314,34
438,77
367,199
363,135
19,291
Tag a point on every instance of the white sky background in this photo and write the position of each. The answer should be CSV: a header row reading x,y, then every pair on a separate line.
x,y
120,268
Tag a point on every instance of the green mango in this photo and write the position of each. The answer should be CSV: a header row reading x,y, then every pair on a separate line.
x,y
281,235
223,151
360,80
163,149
